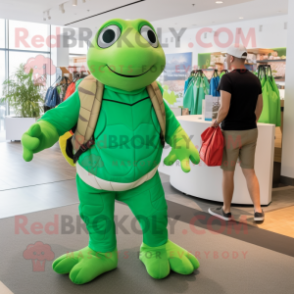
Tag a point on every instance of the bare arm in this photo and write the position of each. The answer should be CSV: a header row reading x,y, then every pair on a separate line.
x,y
259,107
224,108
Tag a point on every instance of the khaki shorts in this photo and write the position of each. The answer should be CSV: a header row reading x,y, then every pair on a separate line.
x,y
242,145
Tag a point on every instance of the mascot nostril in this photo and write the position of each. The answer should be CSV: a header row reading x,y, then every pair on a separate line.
x,y
119,124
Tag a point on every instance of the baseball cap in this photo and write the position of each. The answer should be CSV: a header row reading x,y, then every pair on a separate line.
x,y
236,50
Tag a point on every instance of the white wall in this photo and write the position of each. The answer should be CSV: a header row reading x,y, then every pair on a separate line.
x,y
288,134
273,35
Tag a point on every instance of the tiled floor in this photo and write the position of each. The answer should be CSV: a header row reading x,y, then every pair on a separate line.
x,y
45,182
275,218
47,167
46,187
38,197
230,263
48,182
279,215
280,221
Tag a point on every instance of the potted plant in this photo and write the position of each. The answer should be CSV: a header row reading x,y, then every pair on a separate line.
x,y
25,97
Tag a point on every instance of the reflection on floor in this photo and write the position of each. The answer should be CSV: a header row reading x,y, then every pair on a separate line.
x,y
49,182
37,198
44,183
48,166
2,136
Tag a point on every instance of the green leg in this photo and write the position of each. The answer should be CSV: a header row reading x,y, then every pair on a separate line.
x,y
148,204
158,254
97,211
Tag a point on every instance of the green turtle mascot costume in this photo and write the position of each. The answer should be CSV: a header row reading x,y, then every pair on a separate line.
x,y
120,123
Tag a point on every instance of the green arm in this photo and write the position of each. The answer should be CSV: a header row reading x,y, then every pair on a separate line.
x,y
53,124
182,147
65,116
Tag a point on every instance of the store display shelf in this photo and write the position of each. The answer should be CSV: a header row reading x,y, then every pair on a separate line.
x,y
217,53
260,51
270,60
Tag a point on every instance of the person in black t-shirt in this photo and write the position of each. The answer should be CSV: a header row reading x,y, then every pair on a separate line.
x,y
241,107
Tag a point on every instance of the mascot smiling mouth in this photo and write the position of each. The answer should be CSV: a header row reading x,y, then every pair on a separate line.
x,y
127,76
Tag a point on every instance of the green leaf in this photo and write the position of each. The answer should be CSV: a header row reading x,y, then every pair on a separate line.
x,y
23,93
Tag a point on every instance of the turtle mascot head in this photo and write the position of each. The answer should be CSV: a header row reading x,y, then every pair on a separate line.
x,y
126,54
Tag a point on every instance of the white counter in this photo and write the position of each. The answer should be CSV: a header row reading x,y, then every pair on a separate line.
x,y
206,182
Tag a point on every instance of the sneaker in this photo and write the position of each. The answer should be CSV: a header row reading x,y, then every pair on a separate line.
x,y
258,216
218,212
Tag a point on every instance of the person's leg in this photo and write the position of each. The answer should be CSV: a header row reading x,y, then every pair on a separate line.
x,y
228,189
230,157
247,159
158,254
253,188
97,211
233,144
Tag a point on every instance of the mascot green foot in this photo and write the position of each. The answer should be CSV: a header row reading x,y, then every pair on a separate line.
x,y
85,265
160,260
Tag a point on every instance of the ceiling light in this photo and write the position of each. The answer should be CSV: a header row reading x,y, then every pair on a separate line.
x,y
74,2
219,2
61,7
44,16
241,17
84,1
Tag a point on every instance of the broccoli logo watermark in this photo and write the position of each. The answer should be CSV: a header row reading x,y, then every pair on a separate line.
x,y
41,66
38,253
93,162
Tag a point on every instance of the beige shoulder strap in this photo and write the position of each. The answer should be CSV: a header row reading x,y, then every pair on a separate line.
x,y
158,104
90,93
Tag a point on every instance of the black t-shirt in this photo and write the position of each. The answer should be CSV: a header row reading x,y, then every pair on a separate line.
x,y
245,88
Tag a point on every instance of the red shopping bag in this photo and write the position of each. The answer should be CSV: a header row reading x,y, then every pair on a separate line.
x,y
211,152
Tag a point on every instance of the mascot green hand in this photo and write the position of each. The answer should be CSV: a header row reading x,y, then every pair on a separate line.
x,y
182,149
120,123
40,136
